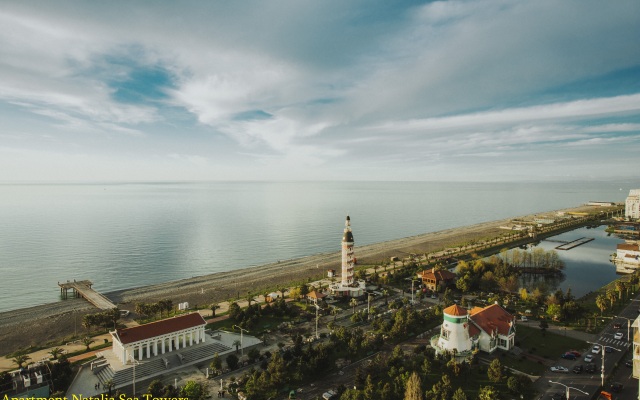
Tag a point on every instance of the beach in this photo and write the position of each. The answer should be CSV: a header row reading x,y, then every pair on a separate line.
x,y
49,323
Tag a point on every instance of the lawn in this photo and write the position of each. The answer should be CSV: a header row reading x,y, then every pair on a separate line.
x,y
546,344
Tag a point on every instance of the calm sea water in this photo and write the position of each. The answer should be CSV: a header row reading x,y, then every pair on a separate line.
x,y
126,235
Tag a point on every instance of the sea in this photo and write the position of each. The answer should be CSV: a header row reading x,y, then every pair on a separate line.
x,y
124,235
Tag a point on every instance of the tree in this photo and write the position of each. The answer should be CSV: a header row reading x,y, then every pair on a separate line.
x,y
237,343
369,389
194,391
21,359
232,361
601,303
87,342
488,393
353,303
494,372
514,385
385,293
335,312
611,295
214,307
216,363
56,352
459,395
156,388
554,311
414,388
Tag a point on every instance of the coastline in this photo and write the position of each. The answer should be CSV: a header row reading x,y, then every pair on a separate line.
x,y
48,322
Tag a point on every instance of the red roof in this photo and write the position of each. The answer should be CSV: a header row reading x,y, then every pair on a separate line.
x,y
455,310
491,318
439,275
316,295
159,328
626,246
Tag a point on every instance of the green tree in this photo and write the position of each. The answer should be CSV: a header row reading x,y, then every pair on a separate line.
x,y
87,342
369,391
459,395
414,388
194,391
488,393
56,352
237,344
213,307
232,361
554,311
494,372
601,303
21,359
514,385
353,303
156,388
216,363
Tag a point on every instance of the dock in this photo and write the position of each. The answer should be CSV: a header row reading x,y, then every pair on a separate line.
x,y
574,243
83,289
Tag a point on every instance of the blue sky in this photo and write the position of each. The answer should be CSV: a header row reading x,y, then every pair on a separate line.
x,y
328,90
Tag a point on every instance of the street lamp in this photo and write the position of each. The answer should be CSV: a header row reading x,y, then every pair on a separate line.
x,y
315,303
134,361
568,389
603,353
241,346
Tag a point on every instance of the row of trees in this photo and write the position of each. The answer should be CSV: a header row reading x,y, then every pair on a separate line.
x,y
105,319
151,309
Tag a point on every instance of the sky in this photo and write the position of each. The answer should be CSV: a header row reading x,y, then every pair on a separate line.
x,y
380,90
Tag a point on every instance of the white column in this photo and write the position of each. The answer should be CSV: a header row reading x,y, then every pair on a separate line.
x,y
177,339
197,335
202,335
155,347
191,338
170,344
163,340
140,352
148,349
123,355
184,339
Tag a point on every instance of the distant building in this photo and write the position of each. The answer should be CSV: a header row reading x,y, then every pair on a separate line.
x,y
348,286
486,329
433,279
632,204
627,257
160,337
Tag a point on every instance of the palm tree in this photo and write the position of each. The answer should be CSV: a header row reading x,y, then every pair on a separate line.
x,y
334,312
601,303
385,293
21,359
87,342
620,286
55,352
214,307
237,344
611,295
353,303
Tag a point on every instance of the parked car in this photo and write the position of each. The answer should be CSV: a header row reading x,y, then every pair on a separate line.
x,y
575,353
595,349
588,358
616,387
568,356
329,395
617,325
524,318
558,368
578,369
608,349
590,367
618,335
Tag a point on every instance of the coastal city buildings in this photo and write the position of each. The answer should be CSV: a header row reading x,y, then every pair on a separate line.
x,y
627,257
632,204
348,286
463,331
436,279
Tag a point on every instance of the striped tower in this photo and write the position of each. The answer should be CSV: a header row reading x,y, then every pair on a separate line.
x,y
347,254
454,333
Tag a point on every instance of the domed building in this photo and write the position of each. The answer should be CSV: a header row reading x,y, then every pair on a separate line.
x,y
463,331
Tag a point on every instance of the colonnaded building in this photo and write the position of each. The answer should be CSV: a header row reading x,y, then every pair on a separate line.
x,y
462,332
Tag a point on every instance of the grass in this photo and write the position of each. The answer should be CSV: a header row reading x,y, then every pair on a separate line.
x,y
546,344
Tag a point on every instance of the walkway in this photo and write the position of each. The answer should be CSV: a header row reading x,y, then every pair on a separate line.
x,y
84,290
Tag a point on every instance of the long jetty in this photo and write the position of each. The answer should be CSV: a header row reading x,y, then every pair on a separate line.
x,y
574,243
83,289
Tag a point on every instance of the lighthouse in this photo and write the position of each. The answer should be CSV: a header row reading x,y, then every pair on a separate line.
x,y
347,254
454,332
348,285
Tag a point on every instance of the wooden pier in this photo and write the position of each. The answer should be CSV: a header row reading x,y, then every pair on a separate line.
x,y
574,243
83,289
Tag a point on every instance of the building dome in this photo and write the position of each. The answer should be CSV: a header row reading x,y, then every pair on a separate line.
x,y
347,237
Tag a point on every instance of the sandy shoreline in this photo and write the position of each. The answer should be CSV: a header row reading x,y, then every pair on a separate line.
x,y
40,324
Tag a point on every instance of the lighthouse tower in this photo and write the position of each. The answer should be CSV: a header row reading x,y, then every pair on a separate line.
x,y
454,333
347,254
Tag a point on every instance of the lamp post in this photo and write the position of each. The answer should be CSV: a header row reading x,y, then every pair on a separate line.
x,y
567,389
134,361
315,303
241,346
603,353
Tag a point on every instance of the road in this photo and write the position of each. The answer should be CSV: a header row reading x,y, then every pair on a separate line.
x,y
591,382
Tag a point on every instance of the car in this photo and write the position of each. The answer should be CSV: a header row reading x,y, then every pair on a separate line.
x,y
595,349
588,358
591,368
558,368
608,349
578,369
575,353
616,387
524,318
629,363
568,356
617,325
618,336
330,394
433,296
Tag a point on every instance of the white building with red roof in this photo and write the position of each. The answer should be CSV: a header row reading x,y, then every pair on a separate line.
x,y
627,257
487,329
160,337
